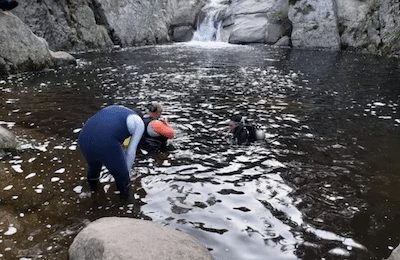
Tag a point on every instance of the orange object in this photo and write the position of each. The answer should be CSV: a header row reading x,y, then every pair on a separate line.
x,y
162,128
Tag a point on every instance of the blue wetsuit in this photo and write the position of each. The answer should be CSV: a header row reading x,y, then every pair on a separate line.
x,y
100,142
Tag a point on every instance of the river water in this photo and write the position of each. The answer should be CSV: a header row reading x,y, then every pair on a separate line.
x,y
324,184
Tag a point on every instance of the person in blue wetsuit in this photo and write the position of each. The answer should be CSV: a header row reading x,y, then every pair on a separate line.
x,y
100,142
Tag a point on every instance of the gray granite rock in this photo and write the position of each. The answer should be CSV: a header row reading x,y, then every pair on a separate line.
x,y
127,238
314,24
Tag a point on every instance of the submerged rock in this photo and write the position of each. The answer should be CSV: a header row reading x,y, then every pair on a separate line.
x,y
127,238
7,139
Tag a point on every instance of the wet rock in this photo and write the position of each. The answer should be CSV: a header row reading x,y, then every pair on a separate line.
x,y
61,58
359,23
138,23
127,238
256,21
66,25
7,139
284,41
249,29
182,33
314,24
185,12
395,255
389,17
20,49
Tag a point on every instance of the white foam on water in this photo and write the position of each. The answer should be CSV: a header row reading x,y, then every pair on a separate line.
x,y
30,175
59,147
166,163
77,130
78,189
379,104
39,188
332,236
9,187
31,159
11,231
61,170
55,179
17,168
339,251
273,163
106,188
211,45
72,147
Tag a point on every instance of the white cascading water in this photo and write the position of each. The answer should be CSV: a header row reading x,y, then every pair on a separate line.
x,y
210,28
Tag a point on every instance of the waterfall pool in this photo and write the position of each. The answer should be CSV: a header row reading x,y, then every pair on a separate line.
x,y
324,184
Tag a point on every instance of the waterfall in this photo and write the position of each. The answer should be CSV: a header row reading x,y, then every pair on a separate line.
x,y
209,28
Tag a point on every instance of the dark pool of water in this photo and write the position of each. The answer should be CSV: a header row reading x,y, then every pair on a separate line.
x,y
324,184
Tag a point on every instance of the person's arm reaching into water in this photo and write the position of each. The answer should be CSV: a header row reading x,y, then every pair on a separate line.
x,y
136,128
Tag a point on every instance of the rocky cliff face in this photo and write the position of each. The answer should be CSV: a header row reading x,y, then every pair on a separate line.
x,y
99,24
370,25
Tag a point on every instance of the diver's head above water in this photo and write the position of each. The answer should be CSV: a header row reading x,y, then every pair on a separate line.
x,y
235,121
154,109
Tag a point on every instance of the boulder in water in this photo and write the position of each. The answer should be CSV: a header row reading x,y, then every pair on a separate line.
x,y
62,58
127,238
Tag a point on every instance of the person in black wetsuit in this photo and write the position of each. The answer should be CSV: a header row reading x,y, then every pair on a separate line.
x,y
242,133
157,130
7,5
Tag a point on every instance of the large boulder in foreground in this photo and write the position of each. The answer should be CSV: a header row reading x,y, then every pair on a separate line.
x,y
7,139
127,238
